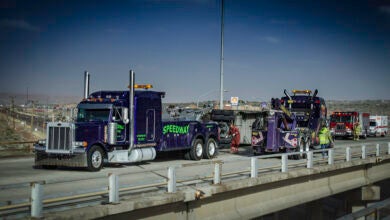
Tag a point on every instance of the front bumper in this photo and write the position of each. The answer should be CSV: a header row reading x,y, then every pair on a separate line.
x,y
372,133
43,158
343,133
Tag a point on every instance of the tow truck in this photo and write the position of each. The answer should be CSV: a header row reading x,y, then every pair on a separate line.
x,y
291,125
122,127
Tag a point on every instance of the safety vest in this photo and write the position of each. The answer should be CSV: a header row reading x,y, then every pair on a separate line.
x,y
324,135
358,129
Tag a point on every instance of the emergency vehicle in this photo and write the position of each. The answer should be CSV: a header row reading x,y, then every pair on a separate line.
x,y
378,125
342,124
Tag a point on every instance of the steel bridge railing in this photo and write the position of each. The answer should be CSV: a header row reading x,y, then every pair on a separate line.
x,y
171,183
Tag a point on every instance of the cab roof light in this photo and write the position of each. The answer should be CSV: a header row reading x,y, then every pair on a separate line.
x,y
307,91
145,86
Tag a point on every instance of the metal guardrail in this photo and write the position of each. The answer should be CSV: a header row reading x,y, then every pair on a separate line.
x,y
170,182
17,142
373,209
29,148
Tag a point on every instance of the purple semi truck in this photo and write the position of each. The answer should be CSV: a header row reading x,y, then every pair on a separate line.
x,y
122,127
291,125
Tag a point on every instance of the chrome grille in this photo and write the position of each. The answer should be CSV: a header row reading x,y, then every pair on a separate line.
x,y
340,127
59,137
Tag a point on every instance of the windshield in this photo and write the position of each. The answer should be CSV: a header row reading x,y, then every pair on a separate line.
x,y
85,115
372,123
342,118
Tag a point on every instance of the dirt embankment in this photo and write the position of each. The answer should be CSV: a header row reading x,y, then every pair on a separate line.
x,y
10,134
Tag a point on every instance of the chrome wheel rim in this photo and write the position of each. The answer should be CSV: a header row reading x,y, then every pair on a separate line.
x,y
212,148
199,149
96,159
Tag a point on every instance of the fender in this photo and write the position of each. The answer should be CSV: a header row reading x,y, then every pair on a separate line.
x,y
198,136
99,143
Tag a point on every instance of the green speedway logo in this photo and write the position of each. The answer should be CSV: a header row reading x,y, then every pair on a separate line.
x,y
175,129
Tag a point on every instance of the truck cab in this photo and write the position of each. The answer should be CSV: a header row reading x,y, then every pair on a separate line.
x,y
101,128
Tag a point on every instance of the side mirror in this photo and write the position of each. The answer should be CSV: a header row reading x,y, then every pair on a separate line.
x,y
73,114
125,115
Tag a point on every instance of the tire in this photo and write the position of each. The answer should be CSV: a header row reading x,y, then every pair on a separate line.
x,y
196,151
210,150
95,158
302,145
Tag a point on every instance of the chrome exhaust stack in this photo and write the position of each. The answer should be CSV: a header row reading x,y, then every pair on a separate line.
x,y
289,97
134,153
86,84
315,93
131,112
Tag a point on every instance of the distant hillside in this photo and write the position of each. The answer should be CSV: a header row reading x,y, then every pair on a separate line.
x,y
21,99
374,107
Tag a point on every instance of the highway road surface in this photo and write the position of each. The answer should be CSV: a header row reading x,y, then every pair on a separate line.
x,y
58,181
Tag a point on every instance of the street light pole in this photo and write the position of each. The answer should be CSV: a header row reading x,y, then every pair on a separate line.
x,y
221,63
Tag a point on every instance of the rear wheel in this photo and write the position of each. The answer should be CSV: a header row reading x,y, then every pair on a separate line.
x,y
210,149
196,151
301,147
95,158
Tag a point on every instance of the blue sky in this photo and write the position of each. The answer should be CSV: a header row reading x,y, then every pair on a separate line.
x,y
342,48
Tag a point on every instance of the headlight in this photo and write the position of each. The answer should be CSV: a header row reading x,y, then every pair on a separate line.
x,y
42,142
80,143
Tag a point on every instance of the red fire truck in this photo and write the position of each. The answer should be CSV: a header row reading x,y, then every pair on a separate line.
x,y
342,123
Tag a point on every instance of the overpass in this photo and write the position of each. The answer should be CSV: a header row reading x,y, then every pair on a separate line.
x,y
223,189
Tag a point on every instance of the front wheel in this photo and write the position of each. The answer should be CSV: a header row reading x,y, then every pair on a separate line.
x,y
210,149
95,158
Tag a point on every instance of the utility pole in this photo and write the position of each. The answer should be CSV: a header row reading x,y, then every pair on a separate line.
x,y
32,116
221,62
13,110
46,114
